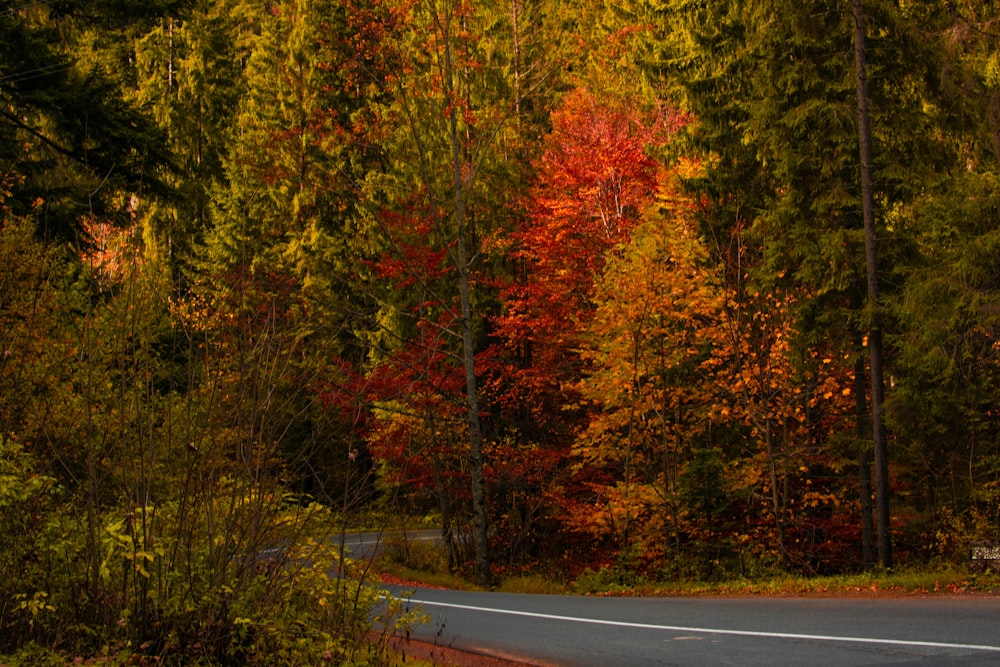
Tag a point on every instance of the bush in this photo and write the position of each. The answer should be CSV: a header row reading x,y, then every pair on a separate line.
x,y
536,584
420,555
256,591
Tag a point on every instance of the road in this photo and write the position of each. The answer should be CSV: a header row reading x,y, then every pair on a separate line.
x,y
363,545
602,632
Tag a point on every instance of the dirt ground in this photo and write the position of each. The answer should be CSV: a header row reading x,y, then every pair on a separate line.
x,y
450,657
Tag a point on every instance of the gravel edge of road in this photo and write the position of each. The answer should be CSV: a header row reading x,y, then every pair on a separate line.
x,y
453,657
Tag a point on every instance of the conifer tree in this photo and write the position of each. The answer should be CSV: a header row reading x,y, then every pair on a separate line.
x,y
773,88
66,124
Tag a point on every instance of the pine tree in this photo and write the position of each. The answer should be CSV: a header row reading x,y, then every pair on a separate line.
x,y
773,89
67,125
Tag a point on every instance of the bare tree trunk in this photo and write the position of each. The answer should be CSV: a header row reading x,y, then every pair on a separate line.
x,y
443,507
875,331
864,458
516,8
776,502
475,431
483,577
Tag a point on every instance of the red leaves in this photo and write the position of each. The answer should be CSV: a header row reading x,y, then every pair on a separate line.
x,y
371,40
412,260
414,383
594,179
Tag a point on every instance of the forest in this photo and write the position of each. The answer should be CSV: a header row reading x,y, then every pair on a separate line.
x,y
668,288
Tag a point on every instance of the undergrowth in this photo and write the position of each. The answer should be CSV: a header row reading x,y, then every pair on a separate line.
x,y
425,564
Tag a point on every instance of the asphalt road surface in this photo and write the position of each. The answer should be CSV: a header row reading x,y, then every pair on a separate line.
x,y
601,632
362,546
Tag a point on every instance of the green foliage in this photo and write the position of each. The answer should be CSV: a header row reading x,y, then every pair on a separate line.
x,y
188,77
170,587
947,350
617,579
142,516
67,125
28,501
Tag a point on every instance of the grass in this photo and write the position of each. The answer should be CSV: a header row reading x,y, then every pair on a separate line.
x,y
424,564
900,582
398,573
532,583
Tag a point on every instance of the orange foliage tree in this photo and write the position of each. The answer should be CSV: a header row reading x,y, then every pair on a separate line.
x,y
652,349
790,401
708,425
593,179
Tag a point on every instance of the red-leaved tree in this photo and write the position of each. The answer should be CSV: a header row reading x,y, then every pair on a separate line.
x,y
596,175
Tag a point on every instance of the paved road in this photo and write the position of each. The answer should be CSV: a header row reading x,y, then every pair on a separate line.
x,y
362,546
365,545
602,632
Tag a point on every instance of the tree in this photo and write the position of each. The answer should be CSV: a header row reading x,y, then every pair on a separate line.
x,y
871,266
652,352
688,382
67,128
594,180
189,73
944,373
776,97
450,124
286,232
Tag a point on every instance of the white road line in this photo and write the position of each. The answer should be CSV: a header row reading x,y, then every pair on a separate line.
x,y
714,631
376,540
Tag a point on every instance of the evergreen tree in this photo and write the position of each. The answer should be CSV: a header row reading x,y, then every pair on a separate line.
x,y
773,89
287,240
189,75
945,379
66,124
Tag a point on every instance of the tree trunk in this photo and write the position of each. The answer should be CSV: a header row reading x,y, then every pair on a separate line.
x,y
483,577
776,503
875,332
443,507
475,432
864,458
515,20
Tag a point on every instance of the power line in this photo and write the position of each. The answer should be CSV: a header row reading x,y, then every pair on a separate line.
x,y
37,73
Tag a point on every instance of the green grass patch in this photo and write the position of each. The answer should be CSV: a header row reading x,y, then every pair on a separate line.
x,y
397,573
532,583
902,582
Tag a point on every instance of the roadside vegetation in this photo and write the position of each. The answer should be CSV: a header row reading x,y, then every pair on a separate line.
x,y
424,564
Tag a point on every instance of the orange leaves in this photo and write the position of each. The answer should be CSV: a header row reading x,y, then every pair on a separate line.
x,y
595,173
677,362
593,180
654,335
